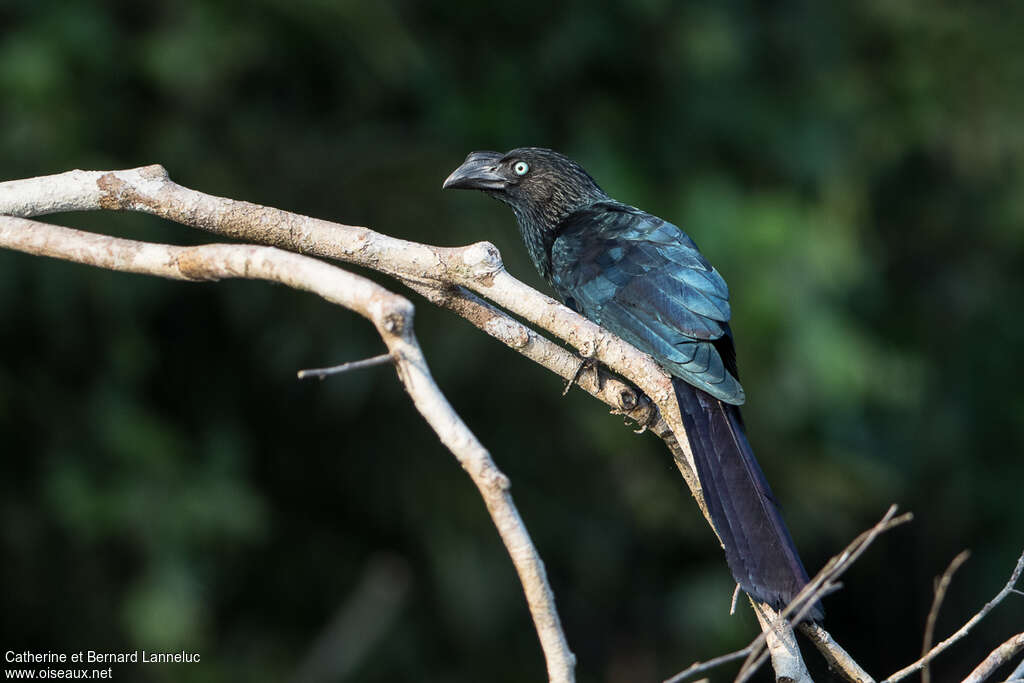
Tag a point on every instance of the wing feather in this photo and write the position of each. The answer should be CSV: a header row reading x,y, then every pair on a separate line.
x,y
645,280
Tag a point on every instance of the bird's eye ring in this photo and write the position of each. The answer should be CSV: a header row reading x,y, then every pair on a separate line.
x,y
521,168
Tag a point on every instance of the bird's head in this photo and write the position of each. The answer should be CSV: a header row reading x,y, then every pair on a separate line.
x,y
541,185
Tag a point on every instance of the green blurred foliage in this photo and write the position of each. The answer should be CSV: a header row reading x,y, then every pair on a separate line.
x,y
855,170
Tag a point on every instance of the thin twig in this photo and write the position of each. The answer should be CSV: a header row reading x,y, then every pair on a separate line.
x,y
704,667
776,626
824,583
320,373
941,586
392,316
963,630
997,658
838,658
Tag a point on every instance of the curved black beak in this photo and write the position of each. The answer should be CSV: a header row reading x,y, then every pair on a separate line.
x,y
477,172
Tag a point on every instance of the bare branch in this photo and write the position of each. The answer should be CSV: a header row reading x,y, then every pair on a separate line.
x,y
445,276
390,313
965,629
778,641
997,658
837,658
826,581
933,614
320,373
703,667
623,398
476,267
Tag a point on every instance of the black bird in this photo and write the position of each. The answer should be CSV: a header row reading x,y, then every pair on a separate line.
x,y
644,279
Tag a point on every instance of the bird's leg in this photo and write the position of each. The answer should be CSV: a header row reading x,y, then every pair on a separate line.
x,y
586,363
587,351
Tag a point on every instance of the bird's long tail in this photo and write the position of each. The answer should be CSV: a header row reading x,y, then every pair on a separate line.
x,y
758,547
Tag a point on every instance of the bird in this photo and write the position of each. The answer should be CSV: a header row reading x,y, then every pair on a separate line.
x,y
643,278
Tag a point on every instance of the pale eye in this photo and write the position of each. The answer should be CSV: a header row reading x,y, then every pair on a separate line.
x,y
521,168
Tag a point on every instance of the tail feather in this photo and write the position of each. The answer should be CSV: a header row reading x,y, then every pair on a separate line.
x,y
758,547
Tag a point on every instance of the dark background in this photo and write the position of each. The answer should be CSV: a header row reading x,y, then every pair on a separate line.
x,y
855,170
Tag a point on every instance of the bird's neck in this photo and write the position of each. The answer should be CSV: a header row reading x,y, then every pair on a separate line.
x,y
538,225
538,233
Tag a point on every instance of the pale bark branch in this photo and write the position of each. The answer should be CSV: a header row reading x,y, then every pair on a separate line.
x,y
476,267
622,397
941,586
391,314
826,581
698,668
837,658
321,373
997,658
965,629
448,277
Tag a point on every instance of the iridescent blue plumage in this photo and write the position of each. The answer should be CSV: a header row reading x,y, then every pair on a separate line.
x,y
643,278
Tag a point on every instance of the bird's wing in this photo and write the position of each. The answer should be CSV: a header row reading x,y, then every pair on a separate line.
x,y
644,279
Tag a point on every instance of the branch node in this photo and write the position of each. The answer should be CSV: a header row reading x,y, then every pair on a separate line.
x,y
154,172
496,479
483,261
394,322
